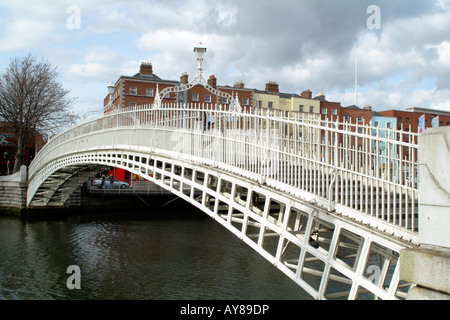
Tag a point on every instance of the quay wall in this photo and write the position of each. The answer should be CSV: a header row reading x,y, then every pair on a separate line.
x,y
13,192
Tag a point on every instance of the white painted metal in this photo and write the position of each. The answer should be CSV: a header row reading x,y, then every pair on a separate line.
x,y
318,199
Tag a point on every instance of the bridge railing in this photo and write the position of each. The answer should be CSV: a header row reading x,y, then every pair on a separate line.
x,y
368,173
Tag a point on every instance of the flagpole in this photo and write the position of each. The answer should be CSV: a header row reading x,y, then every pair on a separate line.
x,y
356,80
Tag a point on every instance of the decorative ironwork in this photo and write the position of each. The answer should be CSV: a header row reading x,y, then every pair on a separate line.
x,y
235,106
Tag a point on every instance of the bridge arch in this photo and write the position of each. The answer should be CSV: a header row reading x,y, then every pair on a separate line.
x,y
320,251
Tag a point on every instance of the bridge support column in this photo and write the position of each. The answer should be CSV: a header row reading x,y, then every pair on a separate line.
x,y
428,267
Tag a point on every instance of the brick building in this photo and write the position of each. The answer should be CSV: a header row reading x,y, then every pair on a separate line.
x,y
140,89
8,148
408,119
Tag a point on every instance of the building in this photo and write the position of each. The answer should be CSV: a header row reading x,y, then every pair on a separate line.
x,y
8,148
408,119
268,98
384,127
331,111
304,102
140,89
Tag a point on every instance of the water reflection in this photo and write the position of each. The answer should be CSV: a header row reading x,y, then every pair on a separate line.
x,y
192,259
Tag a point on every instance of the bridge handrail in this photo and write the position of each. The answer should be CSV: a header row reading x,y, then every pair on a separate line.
x,y
289,150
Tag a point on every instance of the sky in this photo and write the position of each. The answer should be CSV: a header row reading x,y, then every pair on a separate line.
x,y
399,51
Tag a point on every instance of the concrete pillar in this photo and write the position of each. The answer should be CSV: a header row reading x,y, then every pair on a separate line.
x,y
434,187
428,266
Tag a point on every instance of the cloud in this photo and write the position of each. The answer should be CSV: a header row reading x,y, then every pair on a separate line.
x,y
100,64
301,44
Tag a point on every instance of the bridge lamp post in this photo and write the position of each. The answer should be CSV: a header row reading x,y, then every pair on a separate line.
x,y
200,51
111,88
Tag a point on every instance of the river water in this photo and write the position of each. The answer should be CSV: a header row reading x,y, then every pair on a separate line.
x,y
139,257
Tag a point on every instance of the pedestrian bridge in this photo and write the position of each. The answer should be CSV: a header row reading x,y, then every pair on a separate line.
x,y
329,204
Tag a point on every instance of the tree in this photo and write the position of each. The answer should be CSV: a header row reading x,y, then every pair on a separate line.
x,y
32,100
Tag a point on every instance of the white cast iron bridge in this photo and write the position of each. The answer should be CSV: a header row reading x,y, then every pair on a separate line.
x,y
329,204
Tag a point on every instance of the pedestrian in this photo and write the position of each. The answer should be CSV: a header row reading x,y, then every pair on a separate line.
x,y
111,181
103,181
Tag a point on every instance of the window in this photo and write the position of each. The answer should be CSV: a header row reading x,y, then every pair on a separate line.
x,y
360,119
149,92
195,97
133,90
324,111
334,112
245,101
207,98
311,109
388,125
346,117
270,105
132,105
224,100
375,124
407,120
259,104
301,107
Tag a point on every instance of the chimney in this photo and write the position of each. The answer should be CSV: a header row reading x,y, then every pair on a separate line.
x,y
212,81
146,68
272,86
239,85
307,94
320,96
367,107
184,78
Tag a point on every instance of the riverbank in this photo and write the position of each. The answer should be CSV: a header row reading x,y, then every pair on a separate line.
x,y
113,206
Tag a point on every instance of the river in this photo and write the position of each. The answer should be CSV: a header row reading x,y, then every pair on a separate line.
x,y
184,256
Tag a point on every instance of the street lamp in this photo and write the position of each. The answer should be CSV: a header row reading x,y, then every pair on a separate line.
x,y
111,88
200,51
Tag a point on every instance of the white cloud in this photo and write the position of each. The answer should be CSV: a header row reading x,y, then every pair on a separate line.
x,y
100,64
25,35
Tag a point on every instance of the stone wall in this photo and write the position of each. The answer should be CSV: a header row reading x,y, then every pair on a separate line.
x,y
13,191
